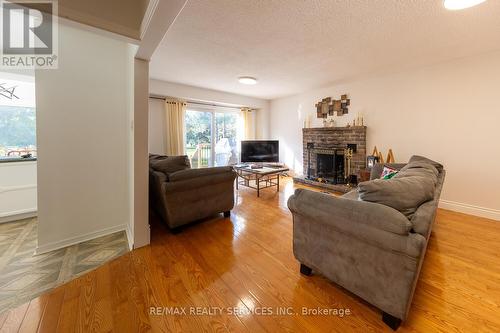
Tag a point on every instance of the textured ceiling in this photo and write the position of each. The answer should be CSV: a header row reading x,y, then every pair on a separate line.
x,y
295,45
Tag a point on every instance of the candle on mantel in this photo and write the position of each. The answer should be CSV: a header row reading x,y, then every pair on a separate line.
x,y
307,121
359,121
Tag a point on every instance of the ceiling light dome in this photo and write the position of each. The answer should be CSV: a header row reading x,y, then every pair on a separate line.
x,y
247,80
461,4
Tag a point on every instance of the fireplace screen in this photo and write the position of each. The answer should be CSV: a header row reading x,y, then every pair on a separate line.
x,y
327,165
330,167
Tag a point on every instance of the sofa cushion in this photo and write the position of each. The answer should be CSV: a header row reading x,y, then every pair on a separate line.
x,y
154,158
171,164
417,158
404,194
419,169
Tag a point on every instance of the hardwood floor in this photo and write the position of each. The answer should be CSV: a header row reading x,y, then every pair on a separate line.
x,y
245,264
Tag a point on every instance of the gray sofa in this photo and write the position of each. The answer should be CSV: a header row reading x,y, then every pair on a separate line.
x,y
181,195
362,242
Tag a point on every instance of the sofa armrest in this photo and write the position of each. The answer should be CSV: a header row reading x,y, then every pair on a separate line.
x,y
193,173
160,176
370,222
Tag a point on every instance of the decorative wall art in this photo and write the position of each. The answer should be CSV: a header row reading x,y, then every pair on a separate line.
x,y
390,157
329,107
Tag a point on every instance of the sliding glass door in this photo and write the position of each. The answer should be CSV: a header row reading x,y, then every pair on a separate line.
x,y
212,137
199,138
226,138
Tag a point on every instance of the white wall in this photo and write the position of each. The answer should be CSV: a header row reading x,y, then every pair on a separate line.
x,y
162,88
141,158
130,80
83,134
448,112
17,190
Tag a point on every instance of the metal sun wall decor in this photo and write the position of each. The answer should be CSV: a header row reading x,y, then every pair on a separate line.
x,y
328,107
8,92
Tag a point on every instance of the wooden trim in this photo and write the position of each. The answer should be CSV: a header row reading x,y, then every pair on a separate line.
x,y
18,215
78,239
5,189
488,213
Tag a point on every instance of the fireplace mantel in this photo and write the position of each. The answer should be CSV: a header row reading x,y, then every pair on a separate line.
x,y
334,129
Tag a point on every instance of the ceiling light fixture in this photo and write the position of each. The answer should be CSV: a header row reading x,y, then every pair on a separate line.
x,y
461,4
247,80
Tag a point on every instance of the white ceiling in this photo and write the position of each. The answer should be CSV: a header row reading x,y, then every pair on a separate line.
x,y
295,45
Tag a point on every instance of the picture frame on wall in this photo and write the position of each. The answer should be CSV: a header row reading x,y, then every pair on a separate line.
x,y
324,108
371,160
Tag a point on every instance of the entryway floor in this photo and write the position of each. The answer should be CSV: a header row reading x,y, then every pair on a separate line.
x,y
24,276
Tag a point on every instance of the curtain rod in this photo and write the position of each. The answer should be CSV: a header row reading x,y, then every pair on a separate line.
x,y
201,103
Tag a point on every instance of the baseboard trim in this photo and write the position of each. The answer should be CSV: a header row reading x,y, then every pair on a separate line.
x,y
18,215
5,189
470,209
78,239
130,238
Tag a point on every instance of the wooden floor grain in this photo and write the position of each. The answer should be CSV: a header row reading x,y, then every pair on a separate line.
x,y
244,265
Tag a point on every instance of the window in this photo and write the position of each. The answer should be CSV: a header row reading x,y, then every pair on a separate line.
x,y
17,116
212,136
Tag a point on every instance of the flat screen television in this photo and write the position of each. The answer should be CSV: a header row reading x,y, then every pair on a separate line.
x,y
260,151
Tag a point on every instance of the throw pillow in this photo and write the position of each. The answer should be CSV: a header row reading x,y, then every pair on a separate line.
x,y
155,157
171,164
388,172
403,194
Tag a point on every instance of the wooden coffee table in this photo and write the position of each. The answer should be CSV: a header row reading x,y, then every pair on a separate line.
x,y
263,177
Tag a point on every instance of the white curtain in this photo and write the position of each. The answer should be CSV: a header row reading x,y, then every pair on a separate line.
x,y
174,136
247,116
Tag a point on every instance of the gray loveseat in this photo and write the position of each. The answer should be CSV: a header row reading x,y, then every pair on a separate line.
x,y
181,195
368,246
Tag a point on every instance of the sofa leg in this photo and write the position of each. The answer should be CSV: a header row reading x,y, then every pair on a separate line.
x,y
227,214
305,270
176,230
391,321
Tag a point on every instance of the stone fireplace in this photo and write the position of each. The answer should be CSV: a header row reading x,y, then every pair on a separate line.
x,y
326,158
